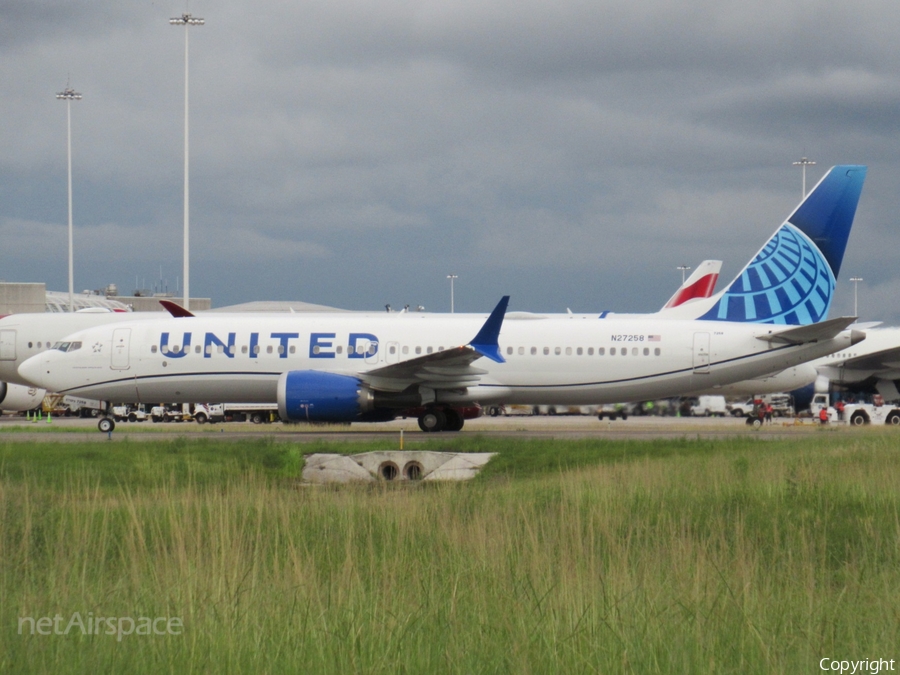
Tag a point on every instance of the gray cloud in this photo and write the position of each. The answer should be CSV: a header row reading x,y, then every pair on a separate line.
x,y
352,154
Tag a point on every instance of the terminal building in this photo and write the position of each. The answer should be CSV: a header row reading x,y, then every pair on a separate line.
x,y
19,298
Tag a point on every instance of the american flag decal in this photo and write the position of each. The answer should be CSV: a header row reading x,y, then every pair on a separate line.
x,y
654,338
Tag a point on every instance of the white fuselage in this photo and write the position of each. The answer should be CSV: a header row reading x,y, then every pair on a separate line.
x,y
552,360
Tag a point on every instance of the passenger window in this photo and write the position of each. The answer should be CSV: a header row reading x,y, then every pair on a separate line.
x,y
405,349
646,351
624,351
316,349
634,351
153,349
209,349
568,351
197,349
220,349
293,349
509,351
256,349
601,351
392,349
418,350
243,349
590,351
281,349
429,350
656,351
580,351
533,351
269,349
612,351
521,351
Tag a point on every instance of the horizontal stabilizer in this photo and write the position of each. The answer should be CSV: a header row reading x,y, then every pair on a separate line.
x,y
824,330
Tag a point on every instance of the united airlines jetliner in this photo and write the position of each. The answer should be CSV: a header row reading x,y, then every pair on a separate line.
x,y
345,368
25,335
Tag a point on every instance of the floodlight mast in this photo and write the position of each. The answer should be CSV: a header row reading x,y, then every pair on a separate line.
x,y
683,268
804,163
186,20
856,281
452,278
69,95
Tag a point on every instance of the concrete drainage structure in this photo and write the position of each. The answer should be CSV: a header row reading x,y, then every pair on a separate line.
x,y
396,465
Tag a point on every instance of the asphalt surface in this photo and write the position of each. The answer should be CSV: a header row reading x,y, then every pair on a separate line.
x,y
15,429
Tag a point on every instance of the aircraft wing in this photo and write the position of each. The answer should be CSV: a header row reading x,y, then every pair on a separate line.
x,y
886,359
447,369
824,330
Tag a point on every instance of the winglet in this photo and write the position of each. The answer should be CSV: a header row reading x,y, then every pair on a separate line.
x,y
486,342
177,311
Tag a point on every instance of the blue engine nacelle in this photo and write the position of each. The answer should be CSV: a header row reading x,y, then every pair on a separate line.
x,y
314,396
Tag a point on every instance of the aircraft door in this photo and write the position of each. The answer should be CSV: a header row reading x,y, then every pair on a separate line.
x,y
372,352
121,343
7,345
701,353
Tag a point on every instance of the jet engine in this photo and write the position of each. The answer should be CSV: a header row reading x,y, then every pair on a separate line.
x,y
314,396
15,397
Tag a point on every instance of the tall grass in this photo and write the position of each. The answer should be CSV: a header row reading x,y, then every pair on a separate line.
x,y
739,557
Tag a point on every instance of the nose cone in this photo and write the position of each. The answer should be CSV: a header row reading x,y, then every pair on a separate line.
x,y
36,371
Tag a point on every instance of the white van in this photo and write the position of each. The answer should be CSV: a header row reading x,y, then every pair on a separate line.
x,y
709,406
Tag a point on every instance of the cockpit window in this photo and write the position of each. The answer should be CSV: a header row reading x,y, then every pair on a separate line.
x,y
67,346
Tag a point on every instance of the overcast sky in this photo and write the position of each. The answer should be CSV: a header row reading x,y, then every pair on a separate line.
x,y
355,153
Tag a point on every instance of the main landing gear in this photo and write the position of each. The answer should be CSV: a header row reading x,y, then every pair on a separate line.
x,y
440,419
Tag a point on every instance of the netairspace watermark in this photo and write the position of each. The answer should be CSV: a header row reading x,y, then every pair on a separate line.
x,y
870,666
120,626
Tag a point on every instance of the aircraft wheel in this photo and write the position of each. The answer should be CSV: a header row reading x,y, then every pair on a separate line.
x,y
432,420
106,425
454,421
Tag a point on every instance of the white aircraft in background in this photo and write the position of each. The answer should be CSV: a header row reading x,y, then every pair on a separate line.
x,y
24,335
350,367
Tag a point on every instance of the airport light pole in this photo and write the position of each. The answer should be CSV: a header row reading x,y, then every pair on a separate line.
x,y
856,281
187,21
69,95
452,278
803,163
683,268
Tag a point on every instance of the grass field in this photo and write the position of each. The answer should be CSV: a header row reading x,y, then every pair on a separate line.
x,y
736,556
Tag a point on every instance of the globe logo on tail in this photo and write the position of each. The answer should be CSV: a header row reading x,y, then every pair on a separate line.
x,y
788,282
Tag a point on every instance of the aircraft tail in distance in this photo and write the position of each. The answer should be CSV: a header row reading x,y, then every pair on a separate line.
x,y
699,285
792,278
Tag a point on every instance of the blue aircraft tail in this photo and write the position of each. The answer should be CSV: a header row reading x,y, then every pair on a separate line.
x,y
791,280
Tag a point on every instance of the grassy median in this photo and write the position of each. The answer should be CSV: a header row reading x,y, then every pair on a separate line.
x,y
743,555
